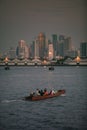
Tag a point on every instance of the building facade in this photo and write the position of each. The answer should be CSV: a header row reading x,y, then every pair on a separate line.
x,y
64,46
22,50
42,44
12,53
55,44
50,51
83,49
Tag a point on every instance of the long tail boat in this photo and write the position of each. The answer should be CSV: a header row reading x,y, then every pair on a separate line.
x,y
39,97
51,68
7,67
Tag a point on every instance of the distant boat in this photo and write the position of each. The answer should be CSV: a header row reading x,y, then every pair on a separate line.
x,y
7,67
51,68
39,97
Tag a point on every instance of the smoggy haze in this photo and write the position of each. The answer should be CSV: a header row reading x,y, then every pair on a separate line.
x,y
24,19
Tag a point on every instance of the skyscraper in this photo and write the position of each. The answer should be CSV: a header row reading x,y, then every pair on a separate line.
x,y
61,48
50,51
22,50
42,44
83,49
61,37
64,46
55,44
12,53
67,45
36,49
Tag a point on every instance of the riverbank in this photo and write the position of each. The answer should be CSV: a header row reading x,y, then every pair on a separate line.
x,y
46,65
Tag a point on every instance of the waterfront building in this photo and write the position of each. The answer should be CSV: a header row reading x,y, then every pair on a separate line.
x,y
12,53
36,49
46,48
32,49
55,44
50,51
61,48
61,37
42,44
83,49
26,54
67,45
72,53
22,50
64,46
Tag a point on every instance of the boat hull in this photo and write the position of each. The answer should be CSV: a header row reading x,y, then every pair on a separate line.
x,y
51,68
7,68
36,98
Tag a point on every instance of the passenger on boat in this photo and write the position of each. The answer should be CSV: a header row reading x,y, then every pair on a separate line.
x,y
37,92
45,92
52,92
32,94
41,92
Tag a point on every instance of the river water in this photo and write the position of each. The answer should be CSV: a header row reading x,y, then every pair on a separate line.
x,y
67,112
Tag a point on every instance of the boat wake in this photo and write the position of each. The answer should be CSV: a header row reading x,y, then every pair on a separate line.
x,y
9,101
63,95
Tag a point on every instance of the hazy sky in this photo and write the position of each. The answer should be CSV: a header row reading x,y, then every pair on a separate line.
x,y
25,19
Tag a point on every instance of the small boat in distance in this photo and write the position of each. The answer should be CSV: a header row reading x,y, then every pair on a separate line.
x,y
7,67
51,68
39,97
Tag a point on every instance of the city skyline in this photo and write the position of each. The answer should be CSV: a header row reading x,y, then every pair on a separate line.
x,y
25,19
41,47
60,43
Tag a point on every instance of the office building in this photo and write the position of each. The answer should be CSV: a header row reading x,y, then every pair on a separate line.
x,y
61,37
50,51
64,46
36,49
83,49
12,53
22,50
55,44
67,45
42,44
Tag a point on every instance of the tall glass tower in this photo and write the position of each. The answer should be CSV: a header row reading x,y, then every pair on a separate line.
x,y
83,49
55,44
42,44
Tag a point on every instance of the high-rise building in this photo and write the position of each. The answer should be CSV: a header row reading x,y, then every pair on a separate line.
x,y
61,37
36,49
22,50
83,49
61,48
72,53
55,44
67,45
26,55
64,46
42,44
50,51
12,53
46,48
32,49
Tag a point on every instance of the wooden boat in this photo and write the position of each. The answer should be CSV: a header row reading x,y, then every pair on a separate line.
x,y
51,68
7,67
36,98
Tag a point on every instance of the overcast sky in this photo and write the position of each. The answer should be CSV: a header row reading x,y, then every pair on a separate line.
x,y
25,19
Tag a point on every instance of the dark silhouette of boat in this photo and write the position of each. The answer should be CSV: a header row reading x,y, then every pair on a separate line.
x,y
39,97
51,68
7,67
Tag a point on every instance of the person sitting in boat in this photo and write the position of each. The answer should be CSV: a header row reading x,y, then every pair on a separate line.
x,y
37,92
45,92
32,94
41,92
52,92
